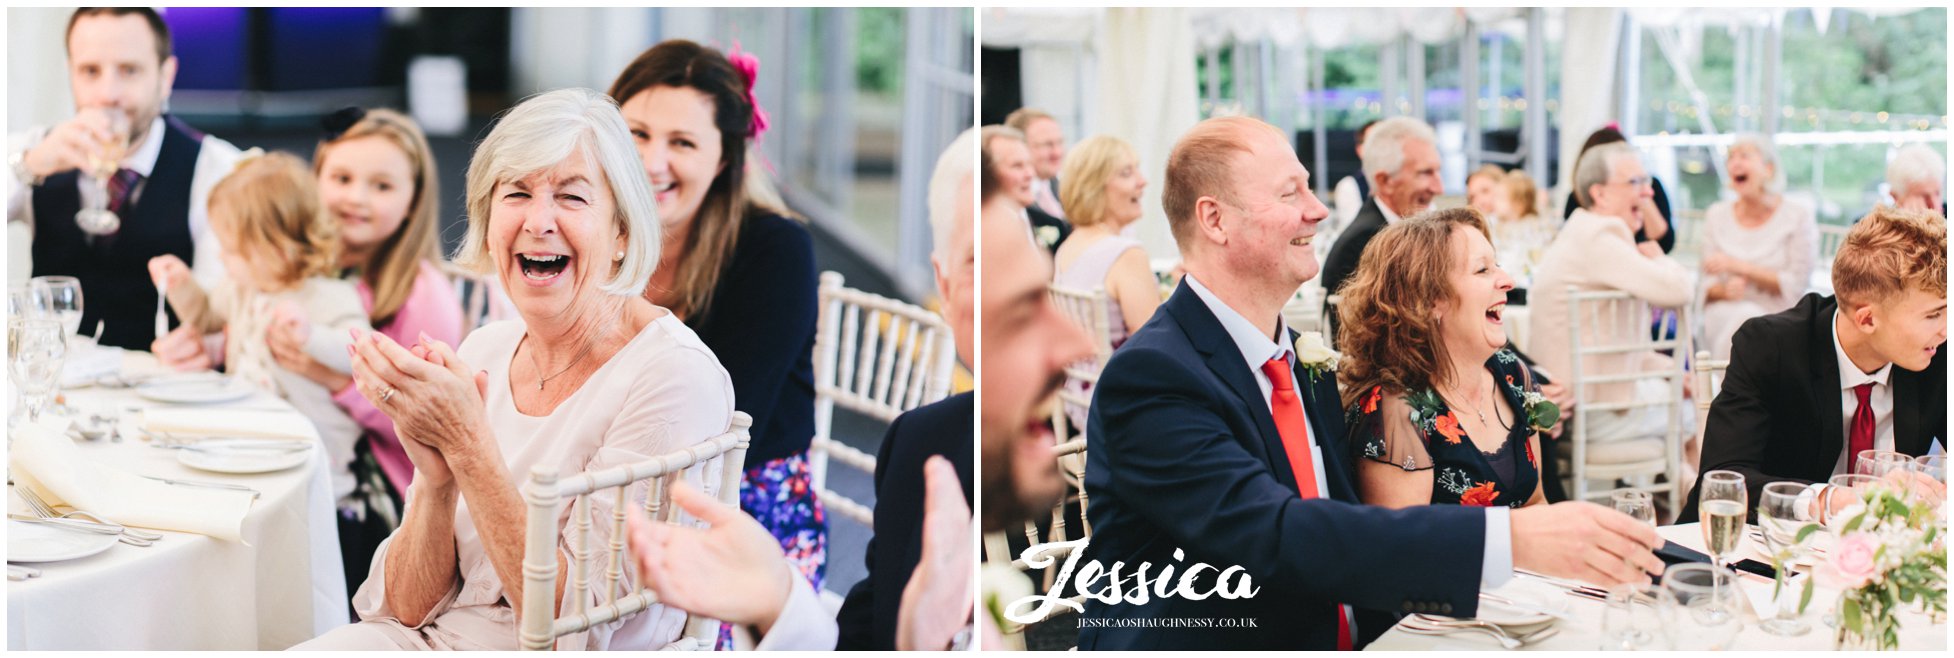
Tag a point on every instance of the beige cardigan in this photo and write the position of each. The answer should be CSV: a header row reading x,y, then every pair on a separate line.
x,y
1596,253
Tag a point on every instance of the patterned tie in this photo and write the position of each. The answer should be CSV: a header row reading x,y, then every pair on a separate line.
x,y
120,187
1861,438
1293,425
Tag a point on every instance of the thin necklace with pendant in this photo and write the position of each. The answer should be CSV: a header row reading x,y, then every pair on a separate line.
x,y
1481,413
573,363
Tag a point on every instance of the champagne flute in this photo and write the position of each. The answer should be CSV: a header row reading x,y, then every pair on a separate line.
x,y
1725,503
1781,517
1637,504
36,349
60,298
95,218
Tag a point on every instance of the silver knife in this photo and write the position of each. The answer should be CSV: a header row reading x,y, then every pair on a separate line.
x,y
206,485
162,318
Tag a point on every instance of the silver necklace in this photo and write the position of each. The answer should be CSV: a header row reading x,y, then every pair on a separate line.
x,y
1477,411
573,362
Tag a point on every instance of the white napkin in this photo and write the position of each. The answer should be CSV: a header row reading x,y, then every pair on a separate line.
x,y
250,423
48,463
87,363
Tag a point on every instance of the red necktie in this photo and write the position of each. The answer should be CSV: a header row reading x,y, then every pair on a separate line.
x,y
1293,425
1861,438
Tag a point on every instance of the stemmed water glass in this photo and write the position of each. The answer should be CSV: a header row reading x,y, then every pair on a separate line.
x,y
1782,517
58,297
1637,504
1878,463
95,218
1638,617
1704,597
35,351
1725,504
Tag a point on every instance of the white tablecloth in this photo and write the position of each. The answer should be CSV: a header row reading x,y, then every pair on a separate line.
x,y
280,586
1583,633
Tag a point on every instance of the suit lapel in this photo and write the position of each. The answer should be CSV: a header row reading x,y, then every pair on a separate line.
x,y
1325,413
1907,435
1225,360
1825,391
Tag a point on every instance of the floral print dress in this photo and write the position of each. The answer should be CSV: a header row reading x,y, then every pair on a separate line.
x,y
1416,431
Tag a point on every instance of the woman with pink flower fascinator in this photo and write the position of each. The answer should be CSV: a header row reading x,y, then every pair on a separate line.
x,y
739,270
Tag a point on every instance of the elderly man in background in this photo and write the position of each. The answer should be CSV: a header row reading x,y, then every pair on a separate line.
x,y
1916,176
1047,142
158,173
1596,251
1401,162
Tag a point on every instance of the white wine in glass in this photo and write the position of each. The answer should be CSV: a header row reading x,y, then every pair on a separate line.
x,y
1725,505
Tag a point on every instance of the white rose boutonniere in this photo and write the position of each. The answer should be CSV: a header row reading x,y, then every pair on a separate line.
x,y
1315,355
1047,236
1002,585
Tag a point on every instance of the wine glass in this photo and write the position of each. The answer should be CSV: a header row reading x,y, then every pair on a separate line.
x,y
1725,504
95,218
1703,597
1933,467
60,298
1878,463
1638,617
1637,504
1781,517
35,351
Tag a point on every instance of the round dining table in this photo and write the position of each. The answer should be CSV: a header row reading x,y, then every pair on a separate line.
x,y
1581,631
279,585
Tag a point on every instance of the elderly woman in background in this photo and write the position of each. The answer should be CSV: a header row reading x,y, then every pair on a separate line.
x,y
1437,404
733,255
1917,178
591,376
1758,249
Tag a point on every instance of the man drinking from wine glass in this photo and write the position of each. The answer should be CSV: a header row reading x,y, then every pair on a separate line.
x,y
1808,389
122,154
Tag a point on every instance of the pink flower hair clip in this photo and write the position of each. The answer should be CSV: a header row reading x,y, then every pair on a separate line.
x,y
749,68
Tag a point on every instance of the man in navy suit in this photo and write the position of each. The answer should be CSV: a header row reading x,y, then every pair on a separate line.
x,y
1208,442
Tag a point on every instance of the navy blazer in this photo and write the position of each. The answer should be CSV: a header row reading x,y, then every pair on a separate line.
x,y
1777,417
761,328
1183,454
867,620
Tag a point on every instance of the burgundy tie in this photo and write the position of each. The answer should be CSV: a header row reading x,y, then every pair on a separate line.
x,y
120,186
1293,426
1861,438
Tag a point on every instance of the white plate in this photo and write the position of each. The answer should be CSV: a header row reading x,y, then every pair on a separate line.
x,y
201,390
36,542
1532,597
241,461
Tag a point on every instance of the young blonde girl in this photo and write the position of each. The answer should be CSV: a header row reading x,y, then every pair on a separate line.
x,y
279,251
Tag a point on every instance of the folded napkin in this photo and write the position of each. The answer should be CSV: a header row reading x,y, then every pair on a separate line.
x,y
87,363
249,423
47,462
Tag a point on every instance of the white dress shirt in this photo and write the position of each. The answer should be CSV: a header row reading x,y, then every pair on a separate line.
x,y
1496,565
1047,198
214,162
1850,376
1390,216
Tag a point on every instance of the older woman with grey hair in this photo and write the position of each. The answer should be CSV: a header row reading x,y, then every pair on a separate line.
x,y
1758,249
1917,178
591,376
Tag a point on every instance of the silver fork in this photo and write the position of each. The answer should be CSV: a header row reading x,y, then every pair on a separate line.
x,y
1526,638
46,511
1500,636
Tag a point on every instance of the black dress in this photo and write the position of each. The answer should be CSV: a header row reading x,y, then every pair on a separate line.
x,y
1416,431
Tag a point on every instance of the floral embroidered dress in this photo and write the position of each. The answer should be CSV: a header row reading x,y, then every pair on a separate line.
x,y
1416,431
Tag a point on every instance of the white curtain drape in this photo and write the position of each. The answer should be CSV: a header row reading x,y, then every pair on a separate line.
x,y
1587,81
1146,71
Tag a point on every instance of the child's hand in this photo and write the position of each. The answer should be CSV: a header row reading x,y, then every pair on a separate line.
x,y
167,271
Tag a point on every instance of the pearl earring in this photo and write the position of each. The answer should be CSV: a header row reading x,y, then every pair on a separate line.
x,y
619,256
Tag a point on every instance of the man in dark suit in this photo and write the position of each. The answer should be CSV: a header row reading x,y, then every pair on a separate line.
x,y
869,615
1209,442
1401,160
1810,387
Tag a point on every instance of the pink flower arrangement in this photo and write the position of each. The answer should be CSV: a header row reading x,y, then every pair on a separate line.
x,y
1852,564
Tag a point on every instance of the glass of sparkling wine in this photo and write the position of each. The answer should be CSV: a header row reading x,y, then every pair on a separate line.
x,y
1724,506
95,218
1781,517
58,297
1637,504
